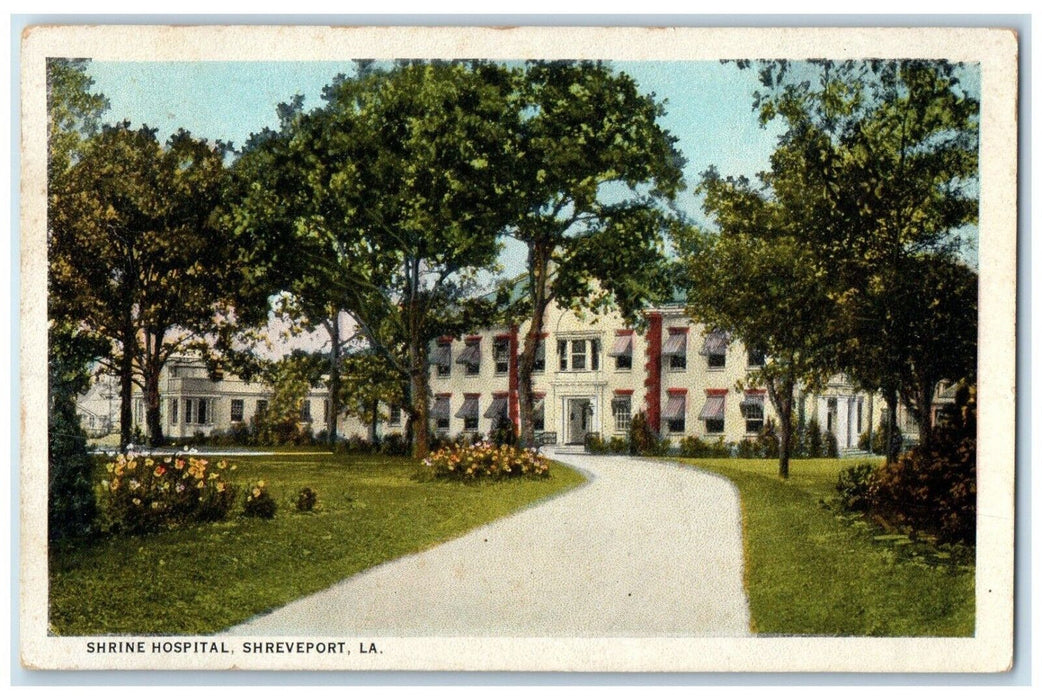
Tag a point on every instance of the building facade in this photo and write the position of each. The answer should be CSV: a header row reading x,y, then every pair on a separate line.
x,y
593,374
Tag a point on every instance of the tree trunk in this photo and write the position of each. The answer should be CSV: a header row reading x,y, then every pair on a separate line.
x,y
419,388
152,414
920,401
890,398
126,387
538,267
151,369
781,394
334,378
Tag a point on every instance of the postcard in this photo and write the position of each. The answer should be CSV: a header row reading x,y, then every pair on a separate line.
x,y
518,348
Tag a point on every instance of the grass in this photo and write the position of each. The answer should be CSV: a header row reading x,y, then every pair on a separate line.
x,y
812,569
204,578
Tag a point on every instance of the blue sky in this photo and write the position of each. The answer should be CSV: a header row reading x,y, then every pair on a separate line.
x,y
708,107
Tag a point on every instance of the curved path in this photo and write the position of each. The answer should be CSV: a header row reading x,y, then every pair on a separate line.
x,y
643,549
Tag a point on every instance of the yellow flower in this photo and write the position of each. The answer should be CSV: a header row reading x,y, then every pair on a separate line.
x,y
256,492
200,484
260,484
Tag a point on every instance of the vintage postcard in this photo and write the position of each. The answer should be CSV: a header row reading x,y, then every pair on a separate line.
x,y
518,349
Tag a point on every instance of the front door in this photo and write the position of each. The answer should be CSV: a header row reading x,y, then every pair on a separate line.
x,y
580,413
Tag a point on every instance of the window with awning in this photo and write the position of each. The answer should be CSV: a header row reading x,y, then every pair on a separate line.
x,y
715,349
470,357
675,412
469,412
497,409
752,410
675,349
440,412
713,414
441,357
622,351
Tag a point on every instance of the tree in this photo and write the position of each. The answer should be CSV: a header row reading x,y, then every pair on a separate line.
x,y
73,113
369,380
592,166
880,160
385,201
290,380
757,279
135,256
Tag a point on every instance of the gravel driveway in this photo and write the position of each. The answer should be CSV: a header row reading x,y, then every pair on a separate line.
x,y
643,549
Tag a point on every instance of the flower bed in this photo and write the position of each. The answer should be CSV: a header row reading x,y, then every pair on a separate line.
x,y
146,494
486,461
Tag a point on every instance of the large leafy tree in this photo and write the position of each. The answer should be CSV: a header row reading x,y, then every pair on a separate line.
x,y
878,163
593,166
134,255
757,278
384,202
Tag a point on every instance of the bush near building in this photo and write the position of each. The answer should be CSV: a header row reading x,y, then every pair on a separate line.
x,y
932,489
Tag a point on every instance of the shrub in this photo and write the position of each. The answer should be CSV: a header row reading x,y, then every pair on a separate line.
x,y
306,500
618,446
503,433
259,503
486,461
394,444
933,488
595,444
643,440
144,494
853,485
71,505
878,445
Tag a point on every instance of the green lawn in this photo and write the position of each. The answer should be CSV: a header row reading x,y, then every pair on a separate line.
x,y
813,569
204,578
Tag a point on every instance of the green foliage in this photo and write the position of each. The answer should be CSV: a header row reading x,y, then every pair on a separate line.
x,y
132,249
290,380
853,486
503,433
486,461
306,500
70,492
643,440
933,488
259,503
142,494
692,446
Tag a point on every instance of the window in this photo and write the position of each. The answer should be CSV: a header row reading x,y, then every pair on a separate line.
x,y
197,411
620,411
394,415
675,348
440,412
538,415
832,409
675,412
469,411
540,357
262,407
173,411
498,411
325,411
442,358
305,411
756,357
715,349
860,406
583,355
237,410
752,411
501,354
622,351
713,412
470,358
